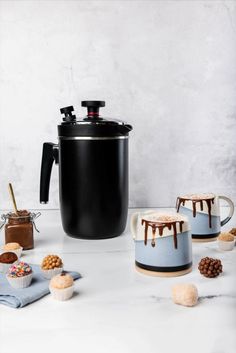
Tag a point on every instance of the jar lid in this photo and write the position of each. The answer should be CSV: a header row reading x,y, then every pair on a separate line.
x,y
30,216
92,125
21,214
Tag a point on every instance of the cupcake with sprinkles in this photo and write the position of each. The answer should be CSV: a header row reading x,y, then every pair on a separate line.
x,y
20,275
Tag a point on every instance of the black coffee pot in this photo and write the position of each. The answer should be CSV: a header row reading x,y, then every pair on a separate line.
x,y
92,154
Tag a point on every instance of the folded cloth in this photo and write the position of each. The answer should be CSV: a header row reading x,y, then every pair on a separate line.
x,y
17,298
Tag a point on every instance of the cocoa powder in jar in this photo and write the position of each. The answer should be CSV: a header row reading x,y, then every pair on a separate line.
x,y
19,229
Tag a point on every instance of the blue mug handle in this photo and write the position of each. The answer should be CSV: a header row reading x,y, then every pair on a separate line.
x,y
134,219
231,210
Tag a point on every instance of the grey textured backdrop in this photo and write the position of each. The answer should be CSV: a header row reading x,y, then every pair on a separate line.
x,y
167,67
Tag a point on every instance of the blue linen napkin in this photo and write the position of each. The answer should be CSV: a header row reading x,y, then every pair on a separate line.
x,y
17,298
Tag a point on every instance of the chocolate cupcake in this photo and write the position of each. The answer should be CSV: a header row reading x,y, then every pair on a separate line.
x,y
6,260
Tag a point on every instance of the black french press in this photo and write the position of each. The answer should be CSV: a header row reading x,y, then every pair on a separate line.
x,y
92,154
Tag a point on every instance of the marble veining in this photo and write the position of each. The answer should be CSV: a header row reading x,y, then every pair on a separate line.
x,y
115,308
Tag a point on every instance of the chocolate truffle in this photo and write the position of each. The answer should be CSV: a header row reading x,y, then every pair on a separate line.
x,y
61,281
8,258
210,267
226,237
233,231
19,270
51,261
185,294
11,246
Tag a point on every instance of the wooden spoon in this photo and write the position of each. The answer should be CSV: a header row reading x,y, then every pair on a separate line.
x,y
13,198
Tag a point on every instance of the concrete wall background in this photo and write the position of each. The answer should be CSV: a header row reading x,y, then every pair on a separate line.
x,y
166,67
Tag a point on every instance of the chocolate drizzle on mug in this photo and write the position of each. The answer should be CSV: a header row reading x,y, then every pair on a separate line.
x,y
209,202
161,226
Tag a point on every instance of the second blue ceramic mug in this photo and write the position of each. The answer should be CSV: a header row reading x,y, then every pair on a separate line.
x,y
203,212
163,244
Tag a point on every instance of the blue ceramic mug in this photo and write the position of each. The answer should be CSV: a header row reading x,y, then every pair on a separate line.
x,y
163,244
203,212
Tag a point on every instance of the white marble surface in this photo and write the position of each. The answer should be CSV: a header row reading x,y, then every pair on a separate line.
x,y
167,67
115,309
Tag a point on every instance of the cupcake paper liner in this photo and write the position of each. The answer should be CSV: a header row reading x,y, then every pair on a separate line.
x,y
226,245
20,282
62,294
5,267
48,274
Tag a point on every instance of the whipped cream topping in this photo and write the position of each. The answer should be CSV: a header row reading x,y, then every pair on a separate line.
x,y
165,217
200,196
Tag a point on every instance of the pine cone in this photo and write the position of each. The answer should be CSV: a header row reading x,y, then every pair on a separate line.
x,y
209,267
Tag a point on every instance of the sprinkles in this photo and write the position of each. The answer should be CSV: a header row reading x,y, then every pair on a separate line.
x,y
19,270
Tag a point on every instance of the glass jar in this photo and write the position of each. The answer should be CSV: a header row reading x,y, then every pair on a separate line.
x,y
20,228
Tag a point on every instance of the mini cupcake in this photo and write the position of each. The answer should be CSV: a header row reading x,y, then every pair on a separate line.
x,y
51,266
226,241
13,247
62,286
20,275
6,261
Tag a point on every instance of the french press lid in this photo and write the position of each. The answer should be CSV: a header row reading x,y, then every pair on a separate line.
x,y
92,125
